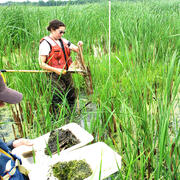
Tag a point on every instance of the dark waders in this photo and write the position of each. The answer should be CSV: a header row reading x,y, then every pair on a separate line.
x,y
61,87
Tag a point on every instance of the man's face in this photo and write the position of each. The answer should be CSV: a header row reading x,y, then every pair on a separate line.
x,y
58,33
2,103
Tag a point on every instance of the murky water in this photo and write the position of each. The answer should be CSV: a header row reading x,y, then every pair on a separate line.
x,y
88,112
6,120
87,115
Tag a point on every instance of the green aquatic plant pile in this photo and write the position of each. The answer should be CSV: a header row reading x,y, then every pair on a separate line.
x,y
60,139
72,170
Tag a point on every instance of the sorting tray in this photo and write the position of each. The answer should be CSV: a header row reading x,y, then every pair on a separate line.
x,y
81,134
39,145
98,156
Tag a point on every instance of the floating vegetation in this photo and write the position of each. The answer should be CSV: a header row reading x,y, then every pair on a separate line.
x,y
72,170
59,140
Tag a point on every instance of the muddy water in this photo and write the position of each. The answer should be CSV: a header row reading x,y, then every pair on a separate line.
x,y
88,113
6,120
85,118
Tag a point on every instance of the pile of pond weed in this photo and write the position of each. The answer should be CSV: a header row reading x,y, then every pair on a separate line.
x,y
62,138
72,170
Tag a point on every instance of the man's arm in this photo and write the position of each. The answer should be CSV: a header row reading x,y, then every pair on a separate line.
x,y
72,46
45,66
75,48
19,142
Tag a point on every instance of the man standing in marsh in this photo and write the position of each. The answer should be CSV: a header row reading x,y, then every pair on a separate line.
x,y
54,56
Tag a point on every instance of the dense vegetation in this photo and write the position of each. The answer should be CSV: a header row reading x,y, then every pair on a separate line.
x,y
49,2
135,92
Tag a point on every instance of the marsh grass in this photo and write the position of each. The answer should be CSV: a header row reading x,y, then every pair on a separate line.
x,y
134,105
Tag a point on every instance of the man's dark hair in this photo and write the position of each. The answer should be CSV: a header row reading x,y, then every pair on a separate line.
x,y
55,24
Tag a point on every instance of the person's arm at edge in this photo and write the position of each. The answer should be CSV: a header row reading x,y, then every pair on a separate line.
x,y
19,142
22,141
10,144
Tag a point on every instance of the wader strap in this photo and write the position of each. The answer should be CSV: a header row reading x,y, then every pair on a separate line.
x,y
5,153
62,46
49,45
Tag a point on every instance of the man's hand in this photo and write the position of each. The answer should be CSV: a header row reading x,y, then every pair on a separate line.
x,y
60,71
21,142
80,43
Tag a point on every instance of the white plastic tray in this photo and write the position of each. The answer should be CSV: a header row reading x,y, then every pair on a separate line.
x,y
81,134
40,145
96,155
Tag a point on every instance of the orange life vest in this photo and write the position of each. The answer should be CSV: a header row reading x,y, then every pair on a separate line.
x,y
56,56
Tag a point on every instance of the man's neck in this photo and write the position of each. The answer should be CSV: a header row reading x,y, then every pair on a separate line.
x,y
52,37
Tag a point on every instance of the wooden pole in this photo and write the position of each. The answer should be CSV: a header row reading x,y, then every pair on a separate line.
x,y
86,69
30,71
41,71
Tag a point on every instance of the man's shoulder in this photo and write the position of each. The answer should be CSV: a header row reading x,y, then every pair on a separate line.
x,y
65,40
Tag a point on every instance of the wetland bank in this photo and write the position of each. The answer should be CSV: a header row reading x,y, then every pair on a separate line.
x,y
134,93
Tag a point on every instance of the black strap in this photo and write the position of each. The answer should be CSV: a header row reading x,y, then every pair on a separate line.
x,y
62,46
49,45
